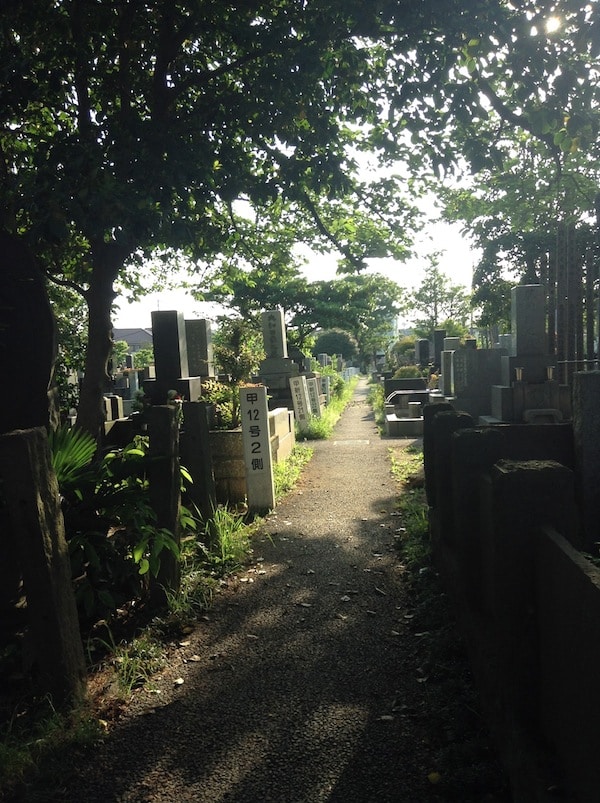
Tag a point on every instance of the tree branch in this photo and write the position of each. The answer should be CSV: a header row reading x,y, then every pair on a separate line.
x,y
517,120
322,227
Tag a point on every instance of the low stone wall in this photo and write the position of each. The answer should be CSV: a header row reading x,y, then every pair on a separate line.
x,y
505,524
568,601
228,454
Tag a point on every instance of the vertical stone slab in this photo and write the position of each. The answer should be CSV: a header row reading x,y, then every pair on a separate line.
x,y
438,346
528,319
312,384
429,413
33,501
170,349
446,366
254,412
165,492
518,498
586,433
422,352
196,457
300,401
273,330
326,388
200,353
473,452
444,425
458,372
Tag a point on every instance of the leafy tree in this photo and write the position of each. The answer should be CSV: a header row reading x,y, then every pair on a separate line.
x,y
128,127
436,300
120,350
402,351
143,357
336,341
238,347
70,314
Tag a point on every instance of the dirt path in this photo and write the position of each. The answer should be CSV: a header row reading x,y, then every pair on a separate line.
x,y
304,684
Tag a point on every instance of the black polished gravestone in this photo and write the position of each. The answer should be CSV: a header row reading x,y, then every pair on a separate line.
x,y
27,339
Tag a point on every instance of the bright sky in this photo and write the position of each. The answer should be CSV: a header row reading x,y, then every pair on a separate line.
x,y
457,262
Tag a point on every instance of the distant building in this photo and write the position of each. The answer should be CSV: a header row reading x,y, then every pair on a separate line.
x,y
136,339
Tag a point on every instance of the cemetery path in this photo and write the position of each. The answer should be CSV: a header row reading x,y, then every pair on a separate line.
x,y
307,682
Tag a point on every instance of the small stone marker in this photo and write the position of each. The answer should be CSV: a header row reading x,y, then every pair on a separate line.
x,y
254,413
300,401
312,384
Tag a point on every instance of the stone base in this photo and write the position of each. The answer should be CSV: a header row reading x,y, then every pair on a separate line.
x,y
403,427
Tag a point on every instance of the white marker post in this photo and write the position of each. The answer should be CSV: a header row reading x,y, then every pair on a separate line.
x,y
313,396
257,448
300,401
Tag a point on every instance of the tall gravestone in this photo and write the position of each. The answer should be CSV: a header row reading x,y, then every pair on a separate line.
x,y
171,359
198,337
422,352
277,368
451,344
529,341
438,346
528,391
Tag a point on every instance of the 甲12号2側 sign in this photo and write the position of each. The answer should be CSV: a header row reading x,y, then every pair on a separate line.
x,y
257,448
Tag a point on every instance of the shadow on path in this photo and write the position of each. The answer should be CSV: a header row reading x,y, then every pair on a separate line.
x,y
304,683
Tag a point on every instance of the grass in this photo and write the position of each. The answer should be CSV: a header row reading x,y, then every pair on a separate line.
x,y
413,536
322,428
376,399
37,743
287,472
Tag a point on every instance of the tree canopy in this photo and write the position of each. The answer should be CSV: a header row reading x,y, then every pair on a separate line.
x,y
130,126
436,302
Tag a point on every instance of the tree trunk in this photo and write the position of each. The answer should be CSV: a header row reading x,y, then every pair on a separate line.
x,y
573,295
107,261
33,505
561,301
590,312
551,292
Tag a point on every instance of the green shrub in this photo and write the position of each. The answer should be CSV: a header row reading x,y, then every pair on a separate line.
x,y
114,542
226,401
408,371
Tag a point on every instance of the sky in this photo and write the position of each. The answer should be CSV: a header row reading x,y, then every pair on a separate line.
x,y
457,262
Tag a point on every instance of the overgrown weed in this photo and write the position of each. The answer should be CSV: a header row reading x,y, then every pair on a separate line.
x,y
322,428
376,398
287,472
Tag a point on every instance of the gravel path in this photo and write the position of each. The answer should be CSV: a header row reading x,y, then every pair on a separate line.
x,y
302,685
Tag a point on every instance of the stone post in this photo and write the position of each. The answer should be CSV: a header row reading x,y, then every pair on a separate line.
x,y
518,498
165,492
196,457
254,413
586,432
